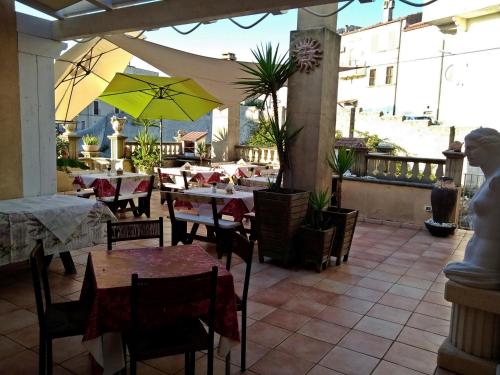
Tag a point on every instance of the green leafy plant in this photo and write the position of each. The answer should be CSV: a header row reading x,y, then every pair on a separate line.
x,y
146,155
265,78
64,164
62,147
258,136
201,150
221,135
340,161
318,201
90,140
145,123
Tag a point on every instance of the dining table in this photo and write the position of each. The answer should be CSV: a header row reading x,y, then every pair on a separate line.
x,y
105,184
62,222
107,287
236,204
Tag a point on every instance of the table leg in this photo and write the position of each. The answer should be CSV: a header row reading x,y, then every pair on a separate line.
x,y
69,266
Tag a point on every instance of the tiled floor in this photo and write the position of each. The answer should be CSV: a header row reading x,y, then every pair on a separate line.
x,y
381,313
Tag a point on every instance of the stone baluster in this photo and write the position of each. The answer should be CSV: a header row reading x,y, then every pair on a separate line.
x,y
391,173
415,171
404,170
359,167
427,173
439,171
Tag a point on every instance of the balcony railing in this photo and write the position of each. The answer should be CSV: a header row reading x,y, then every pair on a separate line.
x,y
403,168
257,155
169,148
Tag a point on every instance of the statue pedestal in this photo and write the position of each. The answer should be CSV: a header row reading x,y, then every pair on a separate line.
x,y
73,144
91,154
117,146
473,345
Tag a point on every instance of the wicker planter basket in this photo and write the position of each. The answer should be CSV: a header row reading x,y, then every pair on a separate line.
x,y
278,219
344,220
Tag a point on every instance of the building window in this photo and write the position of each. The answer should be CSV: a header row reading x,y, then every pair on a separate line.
x,y
117,111
96,107
388,75
371,81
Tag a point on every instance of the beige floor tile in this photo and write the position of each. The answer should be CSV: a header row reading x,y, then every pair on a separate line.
x,y
390,314
339,316
320,370
388,368
411,357
379,327
414,282
254,353
280,363
383,276
286,319
267,334
21,363
399,302
324,331
15,320
365,294
435,310
352,304
27,336
305,347
407,291
429,324
421,339
256,310
436,297
362,342
333,286
9,348
349,362
381,286
303,306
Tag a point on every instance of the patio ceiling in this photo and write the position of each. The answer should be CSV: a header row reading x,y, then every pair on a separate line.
x,y
77,19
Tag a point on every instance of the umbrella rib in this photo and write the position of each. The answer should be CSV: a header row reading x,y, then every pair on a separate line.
x,y
196,96
127,92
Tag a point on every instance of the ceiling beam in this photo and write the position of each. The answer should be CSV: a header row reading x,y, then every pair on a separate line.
x,y
168,13
42,8
101,4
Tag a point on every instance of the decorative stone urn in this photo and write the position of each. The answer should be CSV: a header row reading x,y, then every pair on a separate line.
x,y
70,127
91,148
118,124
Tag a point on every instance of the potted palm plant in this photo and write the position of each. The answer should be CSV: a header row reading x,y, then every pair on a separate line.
x,y
276,235
318,234
344,219
146,155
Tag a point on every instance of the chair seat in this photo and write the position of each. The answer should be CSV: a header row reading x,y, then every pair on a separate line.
x,y
206,220
184,337
67,319
124,197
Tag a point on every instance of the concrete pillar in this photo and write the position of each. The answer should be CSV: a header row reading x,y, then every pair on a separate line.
x,y
117,146
73,145
11,183
360,163
472,346
226,133
312,103
233,130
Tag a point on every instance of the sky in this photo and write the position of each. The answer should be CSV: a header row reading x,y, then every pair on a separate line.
x,y
223,36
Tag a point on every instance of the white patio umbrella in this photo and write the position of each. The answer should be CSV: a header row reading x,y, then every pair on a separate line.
x,y
83,72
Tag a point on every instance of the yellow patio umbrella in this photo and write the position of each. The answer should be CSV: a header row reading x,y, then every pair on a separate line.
x,y
153,98
83,72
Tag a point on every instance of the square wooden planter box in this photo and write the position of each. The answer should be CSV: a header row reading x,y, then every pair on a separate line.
x,y
279,216
344,220
316,246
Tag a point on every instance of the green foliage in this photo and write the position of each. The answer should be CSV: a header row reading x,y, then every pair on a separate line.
x,y
63,164
62,146
258,136
201,149
341,160
221,135
90,140
146,155
254,102
318,201
372,141
338,134
145,123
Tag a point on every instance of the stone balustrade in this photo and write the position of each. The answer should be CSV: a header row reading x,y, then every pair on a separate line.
x,y
403,168
257,155
169,148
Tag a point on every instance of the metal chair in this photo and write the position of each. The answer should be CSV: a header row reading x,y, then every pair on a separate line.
x,y
171,335
244,249
134,230
55,320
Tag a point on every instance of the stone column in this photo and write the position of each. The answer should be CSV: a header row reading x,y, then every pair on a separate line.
x,y
117,146
359,166
11,184
73,144
454,166
233,130
473,345
312,99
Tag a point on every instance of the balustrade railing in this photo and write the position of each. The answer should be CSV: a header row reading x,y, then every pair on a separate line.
x,y
259,155
404,168
169,148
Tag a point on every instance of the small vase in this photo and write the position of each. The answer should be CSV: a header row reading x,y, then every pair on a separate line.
x,y
118,124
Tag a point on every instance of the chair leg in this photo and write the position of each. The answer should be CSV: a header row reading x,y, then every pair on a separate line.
x,y
42,355
192,364
133,366
228,363
243,363
187,363
49,356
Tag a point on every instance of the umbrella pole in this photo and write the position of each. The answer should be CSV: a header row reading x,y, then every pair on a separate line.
x,y
161,142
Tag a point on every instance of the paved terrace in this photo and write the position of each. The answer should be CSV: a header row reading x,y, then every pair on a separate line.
x,y
381,313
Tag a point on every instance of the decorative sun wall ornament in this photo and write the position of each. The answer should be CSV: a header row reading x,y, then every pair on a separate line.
x,y
307,54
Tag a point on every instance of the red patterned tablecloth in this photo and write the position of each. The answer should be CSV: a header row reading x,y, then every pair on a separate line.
x,y
107,283
106,185
206,177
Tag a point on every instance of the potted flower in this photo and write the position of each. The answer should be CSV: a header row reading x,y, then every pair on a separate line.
x,y
318,234
146,155
344,219
276,236
90,143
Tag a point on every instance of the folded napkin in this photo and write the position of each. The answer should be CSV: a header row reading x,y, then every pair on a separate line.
x,y
186,166
241,162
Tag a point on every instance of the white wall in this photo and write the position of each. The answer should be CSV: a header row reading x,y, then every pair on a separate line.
x,y
36,76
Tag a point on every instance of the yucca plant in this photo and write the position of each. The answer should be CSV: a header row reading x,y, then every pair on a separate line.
x,y
265,78
340,162
318,201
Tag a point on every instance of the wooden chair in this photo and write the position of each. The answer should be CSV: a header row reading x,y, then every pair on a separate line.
x,y
55,320
168,184
219,230
171,336
134,230
244,249
119,202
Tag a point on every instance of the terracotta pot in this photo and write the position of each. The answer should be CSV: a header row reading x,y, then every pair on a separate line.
x,y
91,148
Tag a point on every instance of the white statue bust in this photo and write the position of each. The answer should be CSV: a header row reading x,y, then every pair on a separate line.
x,y
481,265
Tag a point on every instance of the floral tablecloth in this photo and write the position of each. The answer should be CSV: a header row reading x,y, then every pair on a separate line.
x,y
106,185
107,285
62,222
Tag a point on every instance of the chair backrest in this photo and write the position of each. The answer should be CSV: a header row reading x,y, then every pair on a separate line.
x,y
150,186
173,298
134,230
242,247
40,282
185,178
197,199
